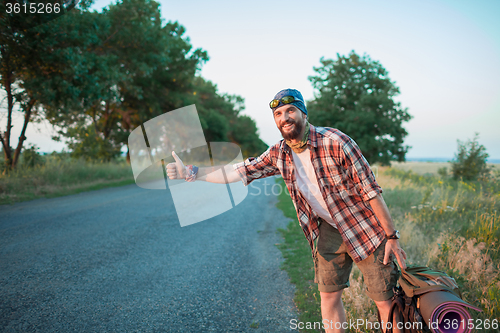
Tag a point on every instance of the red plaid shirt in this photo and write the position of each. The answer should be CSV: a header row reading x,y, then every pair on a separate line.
x,y
344,178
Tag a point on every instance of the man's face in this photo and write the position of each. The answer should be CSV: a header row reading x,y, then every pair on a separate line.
x,y
290,121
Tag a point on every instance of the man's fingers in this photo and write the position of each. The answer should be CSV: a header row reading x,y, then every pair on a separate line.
x,y
171,171
401,258
176,158
179,165
387,255
398,252
401,261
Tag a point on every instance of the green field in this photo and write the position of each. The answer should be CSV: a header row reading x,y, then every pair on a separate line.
x,y
422,168
446,224
58,176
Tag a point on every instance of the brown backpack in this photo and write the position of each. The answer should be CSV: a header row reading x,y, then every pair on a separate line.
x,y
413,282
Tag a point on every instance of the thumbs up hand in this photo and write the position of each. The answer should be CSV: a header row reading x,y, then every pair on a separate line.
x,y
176,170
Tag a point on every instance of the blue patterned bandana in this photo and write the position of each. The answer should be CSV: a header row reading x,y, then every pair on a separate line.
x,y
299,100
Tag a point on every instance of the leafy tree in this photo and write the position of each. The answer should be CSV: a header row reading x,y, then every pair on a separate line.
x,y
355,95
85,143
146,68
244,132
14,55
100,75
470,160
33,58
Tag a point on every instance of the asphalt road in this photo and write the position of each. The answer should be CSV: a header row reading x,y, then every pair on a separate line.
x,y
117,260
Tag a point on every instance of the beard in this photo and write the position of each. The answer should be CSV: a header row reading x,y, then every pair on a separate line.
x,y
294,134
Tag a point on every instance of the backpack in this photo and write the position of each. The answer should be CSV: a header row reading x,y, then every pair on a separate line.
x,y
418,280
414,282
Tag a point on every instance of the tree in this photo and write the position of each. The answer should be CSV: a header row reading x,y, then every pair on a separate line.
x,y
100,75
33,58
14,63
221,119
146,67
84,142
470,160
355,95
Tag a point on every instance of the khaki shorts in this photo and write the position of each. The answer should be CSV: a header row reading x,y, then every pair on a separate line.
x,y
333,264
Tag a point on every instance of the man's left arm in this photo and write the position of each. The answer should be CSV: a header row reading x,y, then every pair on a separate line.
x,y
362,176
392,246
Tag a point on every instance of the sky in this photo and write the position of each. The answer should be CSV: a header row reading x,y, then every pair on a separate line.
x,y
443,55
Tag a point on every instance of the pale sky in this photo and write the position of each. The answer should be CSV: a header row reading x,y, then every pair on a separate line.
x,y
443,55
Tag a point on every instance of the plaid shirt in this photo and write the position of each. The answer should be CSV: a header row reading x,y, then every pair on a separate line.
x,y
344,178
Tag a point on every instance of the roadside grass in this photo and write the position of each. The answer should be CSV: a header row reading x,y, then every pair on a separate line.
x,y
445,224
59,177
298,263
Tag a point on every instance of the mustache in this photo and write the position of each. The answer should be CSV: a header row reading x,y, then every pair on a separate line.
x,y
288,122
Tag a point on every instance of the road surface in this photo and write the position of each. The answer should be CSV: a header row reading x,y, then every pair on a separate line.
x,y
117,260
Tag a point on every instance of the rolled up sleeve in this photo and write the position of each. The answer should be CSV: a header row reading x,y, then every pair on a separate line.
x,y
256,167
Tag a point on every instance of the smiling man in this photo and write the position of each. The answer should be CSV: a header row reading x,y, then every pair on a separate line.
x,y
338,203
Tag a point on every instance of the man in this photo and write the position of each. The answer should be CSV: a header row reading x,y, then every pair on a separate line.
x,y
337,199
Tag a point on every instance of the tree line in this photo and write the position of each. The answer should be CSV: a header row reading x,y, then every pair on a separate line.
x,y
99,75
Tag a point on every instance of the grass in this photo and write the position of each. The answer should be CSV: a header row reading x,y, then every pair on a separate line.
x,y
449,225
254,325
427,167
298,263
61,176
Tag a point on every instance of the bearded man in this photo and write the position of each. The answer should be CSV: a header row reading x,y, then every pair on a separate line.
x,y
338,203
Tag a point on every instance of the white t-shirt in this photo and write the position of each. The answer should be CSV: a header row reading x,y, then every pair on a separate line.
x,y
308,185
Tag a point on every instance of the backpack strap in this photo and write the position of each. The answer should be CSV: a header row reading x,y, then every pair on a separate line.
x,y
412,315
397,309
405,308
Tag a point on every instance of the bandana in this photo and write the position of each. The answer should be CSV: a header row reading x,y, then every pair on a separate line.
x,y
299,100
299,147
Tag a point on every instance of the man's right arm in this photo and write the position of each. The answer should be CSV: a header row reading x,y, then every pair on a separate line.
x,y
177,170
210,174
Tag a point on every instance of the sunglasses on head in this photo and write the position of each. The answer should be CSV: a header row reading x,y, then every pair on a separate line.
x,y
285,100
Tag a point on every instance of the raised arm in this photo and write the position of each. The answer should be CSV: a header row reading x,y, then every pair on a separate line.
x,y
177,170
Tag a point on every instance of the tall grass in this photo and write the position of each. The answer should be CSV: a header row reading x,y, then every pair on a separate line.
x,y
461,225
449,225
61,176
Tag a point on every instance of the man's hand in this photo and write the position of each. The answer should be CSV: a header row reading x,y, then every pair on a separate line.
x,y
392,246
176,170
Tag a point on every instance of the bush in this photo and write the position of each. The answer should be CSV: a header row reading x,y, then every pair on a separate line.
x,y
470,161
85,143
30,157
443,172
